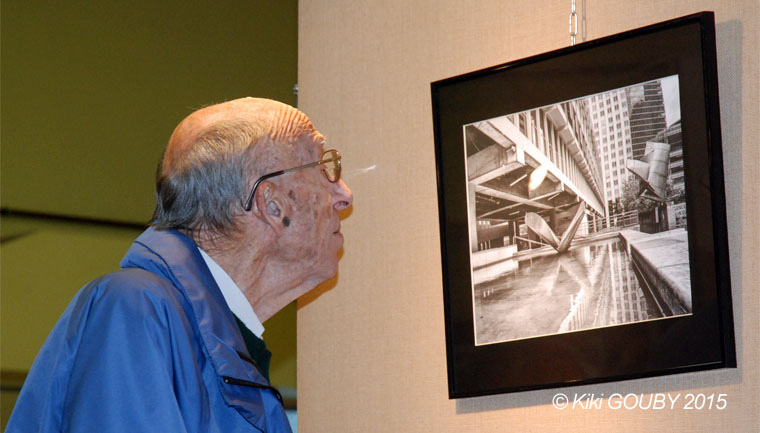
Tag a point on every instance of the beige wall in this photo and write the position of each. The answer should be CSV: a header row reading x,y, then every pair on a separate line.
x,y
371,345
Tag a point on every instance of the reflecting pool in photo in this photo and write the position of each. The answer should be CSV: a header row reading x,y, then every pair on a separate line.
x,y
587,287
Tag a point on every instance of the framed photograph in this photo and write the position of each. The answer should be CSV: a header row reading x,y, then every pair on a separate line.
x,y
582,214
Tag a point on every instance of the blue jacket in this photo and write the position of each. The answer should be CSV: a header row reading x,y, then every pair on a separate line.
x,y
152,347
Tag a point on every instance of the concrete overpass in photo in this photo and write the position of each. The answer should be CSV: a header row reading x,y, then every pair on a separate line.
x,y
541,161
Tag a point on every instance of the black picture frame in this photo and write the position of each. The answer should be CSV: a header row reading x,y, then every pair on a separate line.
x,y
701,338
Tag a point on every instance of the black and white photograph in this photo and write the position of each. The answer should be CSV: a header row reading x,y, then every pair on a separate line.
x,y
581,210
577,214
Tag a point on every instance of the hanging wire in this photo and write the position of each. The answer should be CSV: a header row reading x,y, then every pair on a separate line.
x,y
583,20
574,22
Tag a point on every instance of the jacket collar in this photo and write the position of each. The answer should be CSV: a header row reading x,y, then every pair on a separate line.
x,y
175,256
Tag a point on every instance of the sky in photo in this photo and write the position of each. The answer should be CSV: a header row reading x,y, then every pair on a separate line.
x,y
671,98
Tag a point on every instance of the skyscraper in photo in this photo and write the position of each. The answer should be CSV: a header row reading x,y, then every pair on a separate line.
x,y
647,115
612,136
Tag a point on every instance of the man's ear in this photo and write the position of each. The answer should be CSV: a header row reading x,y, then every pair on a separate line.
x,y
269,206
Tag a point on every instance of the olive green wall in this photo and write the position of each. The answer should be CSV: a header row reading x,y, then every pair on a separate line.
x,y
92,90
90,93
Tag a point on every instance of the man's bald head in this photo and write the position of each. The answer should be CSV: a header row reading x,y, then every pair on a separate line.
x,y
212,156
278,121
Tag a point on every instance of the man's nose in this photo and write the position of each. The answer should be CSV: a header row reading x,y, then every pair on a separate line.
x,y
341,195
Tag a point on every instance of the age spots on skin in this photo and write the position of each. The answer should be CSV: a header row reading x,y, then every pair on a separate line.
x,y
292,195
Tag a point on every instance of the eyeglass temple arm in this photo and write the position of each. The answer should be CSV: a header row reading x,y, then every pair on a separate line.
x,y
249,203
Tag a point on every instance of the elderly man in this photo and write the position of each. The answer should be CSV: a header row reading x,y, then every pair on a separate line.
x,y
246,221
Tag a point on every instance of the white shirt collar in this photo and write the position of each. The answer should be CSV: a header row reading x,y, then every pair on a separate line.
x,y
234,297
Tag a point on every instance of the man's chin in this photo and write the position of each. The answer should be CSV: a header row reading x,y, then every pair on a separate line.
x,y
327,272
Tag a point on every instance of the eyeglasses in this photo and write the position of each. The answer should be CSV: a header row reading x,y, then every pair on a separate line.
x,y
330,159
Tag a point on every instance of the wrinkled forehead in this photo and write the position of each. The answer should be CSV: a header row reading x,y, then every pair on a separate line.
x,y
286,124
